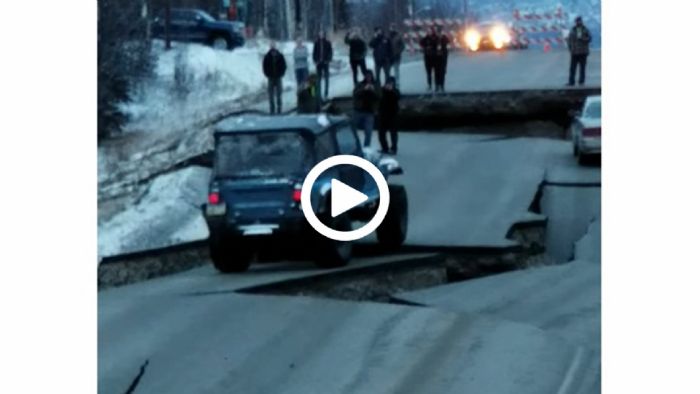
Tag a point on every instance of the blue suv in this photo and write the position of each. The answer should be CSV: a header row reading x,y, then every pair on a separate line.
x,y
254,203
193,25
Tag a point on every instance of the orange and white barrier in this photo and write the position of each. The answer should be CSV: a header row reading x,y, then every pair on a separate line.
x,y
545,28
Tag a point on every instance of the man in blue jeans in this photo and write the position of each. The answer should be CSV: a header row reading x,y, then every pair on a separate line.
x,y
365,98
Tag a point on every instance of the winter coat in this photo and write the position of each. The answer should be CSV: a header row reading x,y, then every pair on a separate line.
x,y
389,103
358,48
365,98
382,49
301,57
579,40
323,51
429,44
274,65
443,46
397,46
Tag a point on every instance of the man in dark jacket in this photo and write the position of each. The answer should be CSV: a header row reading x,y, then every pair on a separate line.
x,y
443,43
364,104
397,48
388,114
578,42
382,54
429,44
358,52
274,67
322,55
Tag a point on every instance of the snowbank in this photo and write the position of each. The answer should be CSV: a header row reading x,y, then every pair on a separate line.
x,y
191,82
167,214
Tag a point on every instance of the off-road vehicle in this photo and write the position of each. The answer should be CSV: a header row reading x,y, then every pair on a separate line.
x,y
259,165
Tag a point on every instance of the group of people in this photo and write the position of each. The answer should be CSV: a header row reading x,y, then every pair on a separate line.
x,y
387,49
308,84
371,98
435,46
370,103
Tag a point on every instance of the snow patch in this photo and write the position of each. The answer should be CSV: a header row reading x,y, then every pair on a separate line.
x,y
588,247
168,213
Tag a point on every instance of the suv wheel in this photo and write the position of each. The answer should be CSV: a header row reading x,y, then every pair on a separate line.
x,y
220,42
228,256
392,232
332,253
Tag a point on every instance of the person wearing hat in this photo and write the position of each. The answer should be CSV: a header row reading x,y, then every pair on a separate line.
x,y
578,41
388,115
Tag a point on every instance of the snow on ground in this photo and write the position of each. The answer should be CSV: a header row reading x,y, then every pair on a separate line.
x,y
168,213
189,83
588,247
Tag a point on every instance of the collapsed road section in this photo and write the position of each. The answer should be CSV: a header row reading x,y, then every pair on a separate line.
x,y
457,110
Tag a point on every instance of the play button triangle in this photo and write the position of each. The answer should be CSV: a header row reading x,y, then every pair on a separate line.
x,y
344,198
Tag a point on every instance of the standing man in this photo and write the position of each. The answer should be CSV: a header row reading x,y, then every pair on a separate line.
x,y
388,114
443,43
578,42
364,104
274,67
397,48
301,62
358,52
382,54
429,45
323,54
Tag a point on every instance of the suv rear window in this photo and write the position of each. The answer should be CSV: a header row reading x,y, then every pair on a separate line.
x,y
261,155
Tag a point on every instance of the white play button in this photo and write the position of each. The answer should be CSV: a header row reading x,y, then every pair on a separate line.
x,y
344,198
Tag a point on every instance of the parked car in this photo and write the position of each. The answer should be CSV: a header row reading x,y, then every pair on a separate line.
x,y
193,25
259,166
586,130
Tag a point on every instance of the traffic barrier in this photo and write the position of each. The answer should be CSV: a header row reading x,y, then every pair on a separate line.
x,y
418,28
548,29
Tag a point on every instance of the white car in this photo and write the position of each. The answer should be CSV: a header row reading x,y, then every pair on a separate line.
x,y
586,130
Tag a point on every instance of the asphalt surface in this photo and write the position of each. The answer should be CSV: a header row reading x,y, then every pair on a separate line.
x,y
200,336
509,70
263,344
563,300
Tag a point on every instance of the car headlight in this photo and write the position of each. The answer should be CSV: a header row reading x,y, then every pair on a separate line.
x,y
472,38
499,36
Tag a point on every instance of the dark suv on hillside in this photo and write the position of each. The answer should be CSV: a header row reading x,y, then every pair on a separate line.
x,y
193,25
254,204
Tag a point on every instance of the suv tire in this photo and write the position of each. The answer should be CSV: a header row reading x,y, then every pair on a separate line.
x,y
392,232
221,42
332,253
228,256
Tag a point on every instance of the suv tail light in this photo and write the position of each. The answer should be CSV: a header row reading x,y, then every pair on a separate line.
x,y
591,132
296,195
214,198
